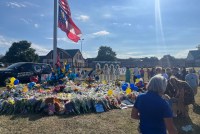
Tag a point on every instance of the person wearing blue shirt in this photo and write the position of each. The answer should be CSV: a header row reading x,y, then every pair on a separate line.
x,y
152,110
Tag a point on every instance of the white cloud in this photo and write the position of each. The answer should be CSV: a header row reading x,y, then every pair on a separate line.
x,y
21,4
101,33
15,4
89,54
4,42
107,15
64,39
30,4
127,24
41,15
115,23
183,53
27,21
122,24
36,25
126,55
83,18
40,50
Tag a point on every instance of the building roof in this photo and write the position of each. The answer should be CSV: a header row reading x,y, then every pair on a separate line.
x,y
69,55
195,54
72,52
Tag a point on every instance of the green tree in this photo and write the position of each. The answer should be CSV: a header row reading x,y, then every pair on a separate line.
x,y
168,58
106,54
21,52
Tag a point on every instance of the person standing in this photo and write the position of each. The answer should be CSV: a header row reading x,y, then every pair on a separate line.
x,y
153,72
183,94
164,74
169,72
148,73
152,110
127,75
142,73
175,72
158,70
192,80
183,73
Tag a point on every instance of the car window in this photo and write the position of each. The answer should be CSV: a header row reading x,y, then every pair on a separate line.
x,y
15,65
25,68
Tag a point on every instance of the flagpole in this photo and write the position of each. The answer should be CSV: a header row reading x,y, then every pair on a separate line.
x,y
55,34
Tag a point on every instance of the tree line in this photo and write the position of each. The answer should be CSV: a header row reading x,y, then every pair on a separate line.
x,y
22,52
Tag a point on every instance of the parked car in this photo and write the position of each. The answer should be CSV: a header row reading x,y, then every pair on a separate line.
x,y
24,70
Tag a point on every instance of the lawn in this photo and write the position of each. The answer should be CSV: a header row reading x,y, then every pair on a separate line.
x,y
114,121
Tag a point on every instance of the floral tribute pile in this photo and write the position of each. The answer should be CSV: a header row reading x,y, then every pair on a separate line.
x,y
62,94
70,98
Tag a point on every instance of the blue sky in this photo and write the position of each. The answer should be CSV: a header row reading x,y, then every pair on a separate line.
x,y
132,28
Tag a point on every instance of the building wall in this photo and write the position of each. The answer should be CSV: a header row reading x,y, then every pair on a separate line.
x,y
190,57
76,61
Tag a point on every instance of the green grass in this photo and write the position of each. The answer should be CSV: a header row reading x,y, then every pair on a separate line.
x,y
114,121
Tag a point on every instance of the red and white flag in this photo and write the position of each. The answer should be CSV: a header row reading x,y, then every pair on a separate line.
x,y
65,22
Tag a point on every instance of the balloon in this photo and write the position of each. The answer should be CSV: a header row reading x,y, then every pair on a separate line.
x,y
126,84
67,67
124,87
128,91
138,76
137,80
31,85
132,86
110,92
141,79
12,79
16,82
74,76
135,88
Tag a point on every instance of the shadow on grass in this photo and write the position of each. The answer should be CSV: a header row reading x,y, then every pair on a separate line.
x,y
32,117
35,117
196,109
182,122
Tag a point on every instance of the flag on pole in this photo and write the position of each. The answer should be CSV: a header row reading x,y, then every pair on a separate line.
x,y
65,22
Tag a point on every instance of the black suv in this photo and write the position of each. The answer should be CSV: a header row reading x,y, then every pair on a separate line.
x,y
23,71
